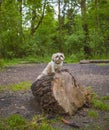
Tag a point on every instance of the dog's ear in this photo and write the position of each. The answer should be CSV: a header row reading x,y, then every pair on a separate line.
x,y
62,55
53,57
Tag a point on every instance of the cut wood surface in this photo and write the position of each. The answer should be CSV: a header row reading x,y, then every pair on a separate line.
x,y
60,93
93,61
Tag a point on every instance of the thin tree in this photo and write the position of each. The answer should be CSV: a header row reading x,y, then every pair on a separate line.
x,y
33,26
87,50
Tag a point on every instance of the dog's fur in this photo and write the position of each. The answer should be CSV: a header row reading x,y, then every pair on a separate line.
x,y
55,64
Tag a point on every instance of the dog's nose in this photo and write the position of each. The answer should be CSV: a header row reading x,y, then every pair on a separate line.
x,y
59,57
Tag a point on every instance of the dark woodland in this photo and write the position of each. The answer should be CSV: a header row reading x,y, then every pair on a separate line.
x,y
78,28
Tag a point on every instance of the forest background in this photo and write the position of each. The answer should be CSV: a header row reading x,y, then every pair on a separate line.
x,y
34,29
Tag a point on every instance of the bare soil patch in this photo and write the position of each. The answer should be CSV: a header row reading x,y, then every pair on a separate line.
x,y
23,102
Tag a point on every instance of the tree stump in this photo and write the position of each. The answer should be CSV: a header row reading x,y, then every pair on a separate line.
x,y
60,93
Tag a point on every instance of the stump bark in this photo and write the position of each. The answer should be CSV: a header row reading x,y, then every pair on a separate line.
x,y
60,93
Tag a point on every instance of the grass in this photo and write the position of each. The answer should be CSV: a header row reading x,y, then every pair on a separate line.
x,y
17,122
16,87
92,113
105,97
92,127
12,122
99,104
103,64
32,59
74,58
25,60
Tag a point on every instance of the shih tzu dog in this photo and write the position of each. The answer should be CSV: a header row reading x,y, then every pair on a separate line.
x,y
55,64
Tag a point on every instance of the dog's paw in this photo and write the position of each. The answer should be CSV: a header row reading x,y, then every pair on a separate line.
x,y
53,73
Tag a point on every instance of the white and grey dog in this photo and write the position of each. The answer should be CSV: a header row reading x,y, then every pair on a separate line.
x,y
55,64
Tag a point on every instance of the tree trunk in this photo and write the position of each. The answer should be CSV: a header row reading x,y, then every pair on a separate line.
x,y
33,19
60,24
1,1
87,50
34,27
59,93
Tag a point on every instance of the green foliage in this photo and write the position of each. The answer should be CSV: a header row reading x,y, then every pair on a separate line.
x,y
74,57
19,36
11,31
1,63
75,41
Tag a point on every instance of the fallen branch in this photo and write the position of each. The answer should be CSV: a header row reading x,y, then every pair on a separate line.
x,y
93,61
72,124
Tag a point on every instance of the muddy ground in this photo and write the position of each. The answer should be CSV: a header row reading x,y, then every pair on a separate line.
x,y
23,102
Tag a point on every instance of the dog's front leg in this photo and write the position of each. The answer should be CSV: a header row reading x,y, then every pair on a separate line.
x,y
53,68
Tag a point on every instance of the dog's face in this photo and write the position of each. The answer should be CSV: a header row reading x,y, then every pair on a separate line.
x,y
58,58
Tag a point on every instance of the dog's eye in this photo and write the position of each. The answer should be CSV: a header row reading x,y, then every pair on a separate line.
x,y
57,56
61,56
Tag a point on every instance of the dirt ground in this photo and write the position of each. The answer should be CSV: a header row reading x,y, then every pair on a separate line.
x,y
23,102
